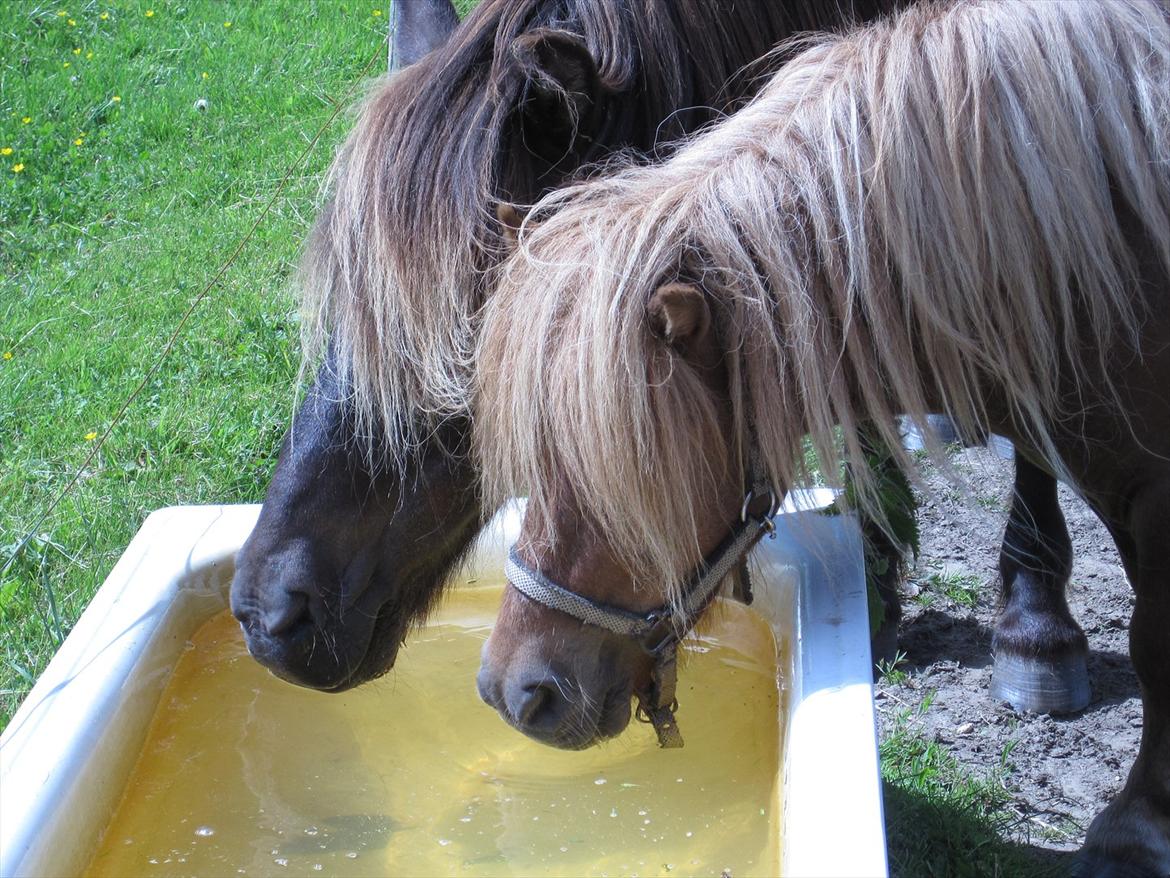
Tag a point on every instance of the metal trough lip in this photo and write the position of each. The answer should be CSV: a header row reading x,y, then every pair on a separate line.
x,y
68,751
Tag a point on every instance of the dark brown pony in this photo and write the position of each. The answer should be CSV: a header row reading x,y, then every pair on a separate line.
x,y
373,501
963,208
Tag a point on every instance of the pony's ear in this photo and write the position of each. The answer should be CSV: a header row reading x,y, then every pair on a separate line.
x,y
511,217
679,314
561,93
418,27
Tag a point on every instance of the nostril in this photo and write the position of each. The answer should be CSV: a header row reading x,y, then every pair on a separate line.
x,y
292,610
539,695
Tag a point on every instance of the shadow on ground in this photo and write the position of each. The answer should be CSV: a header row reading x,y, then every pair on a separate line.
x,y
942,636
927,839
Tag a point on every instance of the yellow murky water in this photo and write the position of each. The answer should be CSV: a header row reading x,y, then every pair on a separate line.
x,y
243,774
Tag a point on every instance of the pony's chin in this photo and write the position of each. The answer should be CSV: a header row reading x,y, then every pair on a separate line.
x,y
300,658
614,719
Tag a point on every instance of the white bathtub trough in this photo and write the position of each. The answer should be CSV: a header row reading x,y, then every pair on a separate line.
x,y
66,755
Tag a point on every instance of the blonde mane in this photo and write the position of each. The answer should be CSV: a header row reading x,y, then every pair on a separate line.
x,y
904,216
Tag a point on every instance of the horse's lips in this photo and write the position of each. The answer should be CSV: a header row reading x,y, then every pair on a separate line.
x,y
296,657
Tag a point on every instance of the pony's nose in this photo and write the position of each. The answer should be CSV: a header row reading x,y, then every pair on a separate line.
x,y
286,614
537,704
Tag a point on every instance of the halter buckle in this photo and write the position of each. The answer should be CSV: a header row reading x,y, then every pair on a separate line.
x,y
764,518
660,634
642,713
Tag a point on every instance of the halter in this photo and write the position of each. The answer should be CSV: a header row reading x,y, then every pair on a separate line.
x,y
655,631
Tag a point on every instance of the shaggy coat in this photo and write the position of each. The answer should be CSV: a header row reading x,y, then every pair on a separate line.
x,y
905,216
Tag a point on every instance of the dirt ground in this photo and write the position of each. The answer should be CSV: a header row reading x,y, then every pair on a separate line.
x,y
1061,770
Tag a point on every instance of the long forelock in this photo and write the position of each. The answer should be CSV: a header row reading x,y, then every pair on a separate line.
x,y
940,189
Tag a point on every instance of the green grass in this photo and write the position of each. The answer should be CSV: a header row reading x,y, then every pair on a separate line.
x,y
958,588
893,672
944,821
119,199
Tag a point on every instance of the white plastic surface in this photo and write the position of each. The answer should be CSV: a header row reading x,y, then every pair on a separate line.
x,y
65,756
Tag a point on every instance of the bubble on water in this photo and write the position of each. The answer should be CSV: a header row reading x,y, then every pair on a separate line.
x,y
128,841
613,812
317,867
641,812
464,819
678,780
204,831
690,834
564,849
600,781
153,861
443,842
646,822
351,855
311,830
281,861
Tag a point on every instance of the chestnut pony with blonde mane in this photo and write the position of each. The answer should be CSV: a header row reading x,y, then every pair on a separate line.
x,y
965,208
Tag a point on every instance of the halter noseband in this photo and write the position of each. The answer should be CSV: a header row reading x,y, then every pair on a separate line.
x,y
655,631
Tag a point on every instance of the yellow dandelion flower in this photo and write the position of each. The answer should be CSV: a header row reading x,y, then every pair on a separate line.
x,y
18,167
62,14
8,355
376,13
6,150
26,120
79,141
76,51
88,55
117,99
227,24
66,64
150,13
205,74
104,16
72,23
90,436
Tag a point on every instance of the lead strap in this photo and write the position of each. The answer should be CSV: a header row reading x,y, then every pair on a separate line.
x,y
658,709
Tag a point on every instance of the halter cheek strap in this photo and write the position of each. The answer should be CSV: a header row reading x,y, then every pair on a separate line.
x,y
655,631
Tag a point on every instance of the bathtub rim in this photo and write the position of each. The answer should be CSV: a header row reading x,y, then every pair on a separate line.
x,y
59,754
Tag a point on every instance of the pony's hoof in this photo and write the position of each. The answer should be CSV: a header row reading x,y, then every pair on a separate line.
x,y
1035,685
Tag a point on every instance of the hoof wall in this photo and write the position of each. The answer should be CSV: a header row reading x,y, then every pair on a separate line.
x,y
1032,685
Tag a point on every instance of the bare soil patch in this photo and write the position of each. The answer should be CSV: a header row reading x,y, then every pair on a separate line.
x,y
1060,771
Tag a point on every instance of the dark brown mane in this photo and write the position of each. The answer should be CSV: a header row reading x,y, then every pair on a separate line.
x,y
397,264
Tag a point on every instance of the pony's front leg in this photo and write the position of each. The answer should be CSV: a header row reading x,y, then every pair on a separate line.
x,y
1039,649
887,540
1131,838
